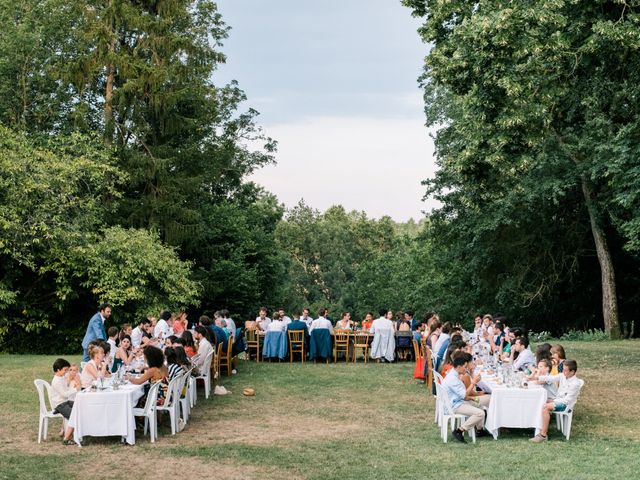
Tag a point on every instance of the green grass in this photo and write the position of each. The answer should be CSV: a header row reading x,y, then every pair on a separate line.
x,y
337,422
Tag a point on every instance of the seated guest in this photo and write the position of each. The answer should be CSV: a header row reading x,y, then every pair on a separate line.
x,y
156,372
221,323
169,341
345,322
543,351
95,367
300,325
262,321
73,377
276,325
112,333
125,330
566,397
383,345
61,394
164,327
526,359
462,400
477,329
367,322
455,346
321,322
306,318
231,324
283,317
189,344
173,367
544,370
140,333
467,376
442,344
218,335
180,323
557,359
434,329
124,355
203,336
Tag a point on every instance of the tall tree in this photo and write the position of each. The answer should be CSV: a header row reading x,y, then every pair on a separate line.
x,y
526,87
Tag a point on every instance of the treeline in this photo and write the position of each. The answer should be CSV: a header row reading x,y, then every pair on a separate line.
x,y
123,172
122,169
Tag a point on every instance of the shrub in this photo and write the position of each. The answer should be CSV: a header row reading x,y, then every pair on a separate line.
x,y
593,335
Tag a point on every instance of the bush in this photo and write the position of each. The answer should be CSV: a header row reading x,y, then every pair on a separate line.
x,y
593,335
540,337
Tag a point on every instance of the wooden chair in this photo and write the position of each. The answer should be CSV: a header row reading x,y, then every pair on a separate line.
x,y
428,360
226,358
216,363
296,344
253,343
361,342
341,344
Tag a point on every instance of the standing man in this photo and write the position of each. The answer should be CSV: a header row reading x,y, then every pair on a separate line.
x,y
164,327
95,329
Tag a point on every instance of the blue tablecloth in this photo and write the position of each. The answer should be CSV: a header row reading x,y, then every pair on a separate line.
x,y
275,345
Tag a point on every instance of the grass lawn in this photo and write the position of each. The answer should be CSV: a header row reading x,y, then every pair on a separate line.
x,y
340,421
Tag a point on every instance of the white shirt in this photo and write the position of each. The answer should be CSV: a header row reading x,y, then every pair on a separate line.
x,y
569,388
60,391
307,320
263,324
162,328
276,326
286,320
136,337
441,339
231,325
321,322
204,348
381,323
525,357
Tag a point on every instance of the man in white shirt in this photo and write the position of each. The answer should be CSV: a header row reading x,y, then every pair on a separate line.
x,y
383,345
231,325
164,327
526,358
306,318
283,317
321,322
567,396
138,332
460,397
262,320
204,348
276,325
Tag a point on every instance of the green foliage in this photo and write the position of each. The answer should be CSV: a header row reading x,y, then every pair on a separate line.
x,y
592,335
537,107
133,270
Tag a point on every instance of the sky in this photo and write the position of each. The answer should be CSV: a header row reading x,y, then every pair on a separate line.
x,y
335,82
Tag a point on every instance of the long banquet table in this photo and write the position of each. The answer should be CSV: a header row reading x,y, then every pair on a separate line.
x,y
513,407
106,413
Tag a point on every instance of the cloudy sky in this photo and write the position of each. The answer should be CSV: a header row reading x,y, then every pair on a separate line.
x,y
335,82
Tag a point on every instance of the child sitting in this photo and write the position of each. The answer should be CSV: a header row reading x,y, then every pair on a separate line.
x,y
61,392
73,376
566,397
544,370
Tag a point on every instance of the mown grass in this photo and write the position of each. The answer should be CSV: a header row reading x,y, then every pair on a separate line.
x,y
340,421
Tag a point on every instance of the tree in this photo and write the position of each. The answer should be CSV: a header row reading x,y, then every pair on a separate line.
x,y
524,87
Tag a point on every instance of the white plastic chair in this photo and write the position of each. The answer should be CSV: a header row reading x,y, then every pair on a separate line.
x,y
564,419
172,404
448,415
185,402
193,392
45,413
149,412
205,374
437,378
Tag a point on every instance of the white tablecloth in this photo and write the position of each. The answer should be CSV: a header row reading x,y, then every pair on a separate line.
x,y
515,408
106,413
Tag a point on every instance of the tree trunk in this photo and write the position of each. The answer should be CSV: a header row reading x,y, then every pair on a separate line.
x,y
609,297
109,124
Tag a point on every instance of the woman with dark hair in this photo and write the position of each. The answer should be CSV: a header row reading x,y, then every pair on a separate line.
x,y
189,344
543,351
173,367
124,355
156,372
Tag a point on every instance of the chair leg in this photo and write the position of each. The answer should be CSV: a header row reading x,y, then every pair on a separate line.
x,y
146,424
40,426
567,427
45,433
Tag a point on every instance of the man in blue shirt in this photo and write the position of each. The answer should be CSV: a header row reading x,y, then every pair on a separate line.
x,y
95,329
460,397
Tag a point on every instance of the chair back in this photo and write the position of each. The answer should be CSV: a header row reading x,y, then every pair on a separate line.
x,y
362,339
41,385
171,397
296,338
152,398
417,351
443,398
341,338
251,336
570,407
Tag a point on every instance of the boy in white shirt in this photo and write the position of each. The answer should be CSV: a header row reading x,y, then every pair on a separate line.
x,y
566,397
61,393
